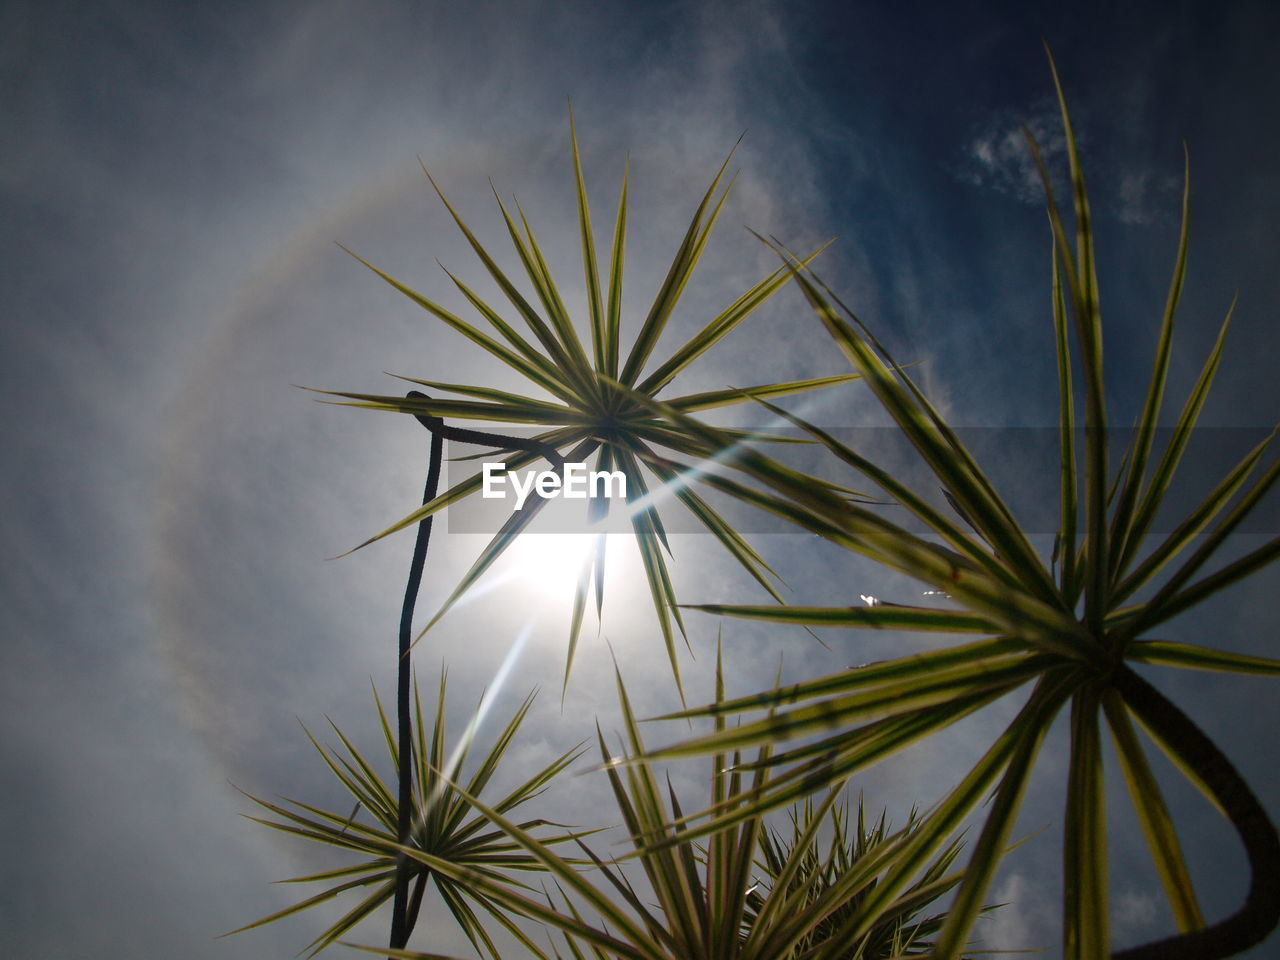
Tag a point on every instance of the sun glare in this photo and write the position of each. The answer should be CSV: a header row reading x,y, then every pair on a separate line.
x,y
550,563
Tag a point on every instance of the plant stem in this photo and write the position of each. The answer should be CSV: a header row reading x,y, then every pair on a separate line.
x,y
401,923
404,912
1261,911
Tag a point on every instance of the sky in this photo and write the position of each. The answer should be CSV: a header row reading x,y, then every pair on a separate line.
x,y
174,180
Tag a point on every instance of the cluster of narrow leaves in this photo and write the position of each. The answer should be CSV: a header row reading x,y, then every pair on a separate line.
x,y
444,827
794,863
1063,632
747,894
589,407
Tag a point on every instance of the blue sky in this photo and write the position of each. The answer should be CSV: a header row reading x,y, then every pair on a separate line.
x,y
173,180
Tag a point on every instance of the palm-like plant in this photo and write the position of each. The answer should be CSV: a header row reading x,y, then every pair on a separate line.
x,y
793,861
592,408
709,902
443,826
1071,629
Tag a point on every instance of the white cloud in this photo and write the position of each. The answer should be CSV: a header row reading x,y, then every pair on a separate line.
x,y
1134,913
1027,921
999,157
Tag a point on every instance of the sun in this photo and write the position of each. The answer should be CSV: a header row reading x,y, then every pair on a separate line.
x,y
550,564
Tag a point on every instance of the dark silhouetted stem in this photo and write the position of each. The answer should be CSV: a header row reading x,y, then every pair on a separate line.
x,y
401,922
1261,911
404,910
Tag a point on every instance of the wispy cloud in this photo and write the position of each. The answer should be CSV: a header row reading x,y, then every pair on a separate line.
x,y
1029,920
999,157
1135,913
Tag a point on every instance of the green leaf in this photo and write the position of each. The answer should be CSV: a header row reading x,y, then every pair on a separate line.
x,y
1171,593
944,454
573,367
882,617
323,897
1157,488
480,392
902,495
722,398
599,333
992,842
976,657
716,525
1170,654
1237,570
1082,284
1196,522
884,700
563,871
1086,906
838,757
648,535
575,621
523,410
1144,434
1036,714
1068,474
1153,814
719,327
870,534
613,323
535,368
695,239
554,305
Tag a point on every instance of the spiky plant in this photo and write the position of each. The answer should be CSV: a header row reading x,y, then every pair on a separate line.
x,y
743,895
793,864
443,826
588,408
1071,627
